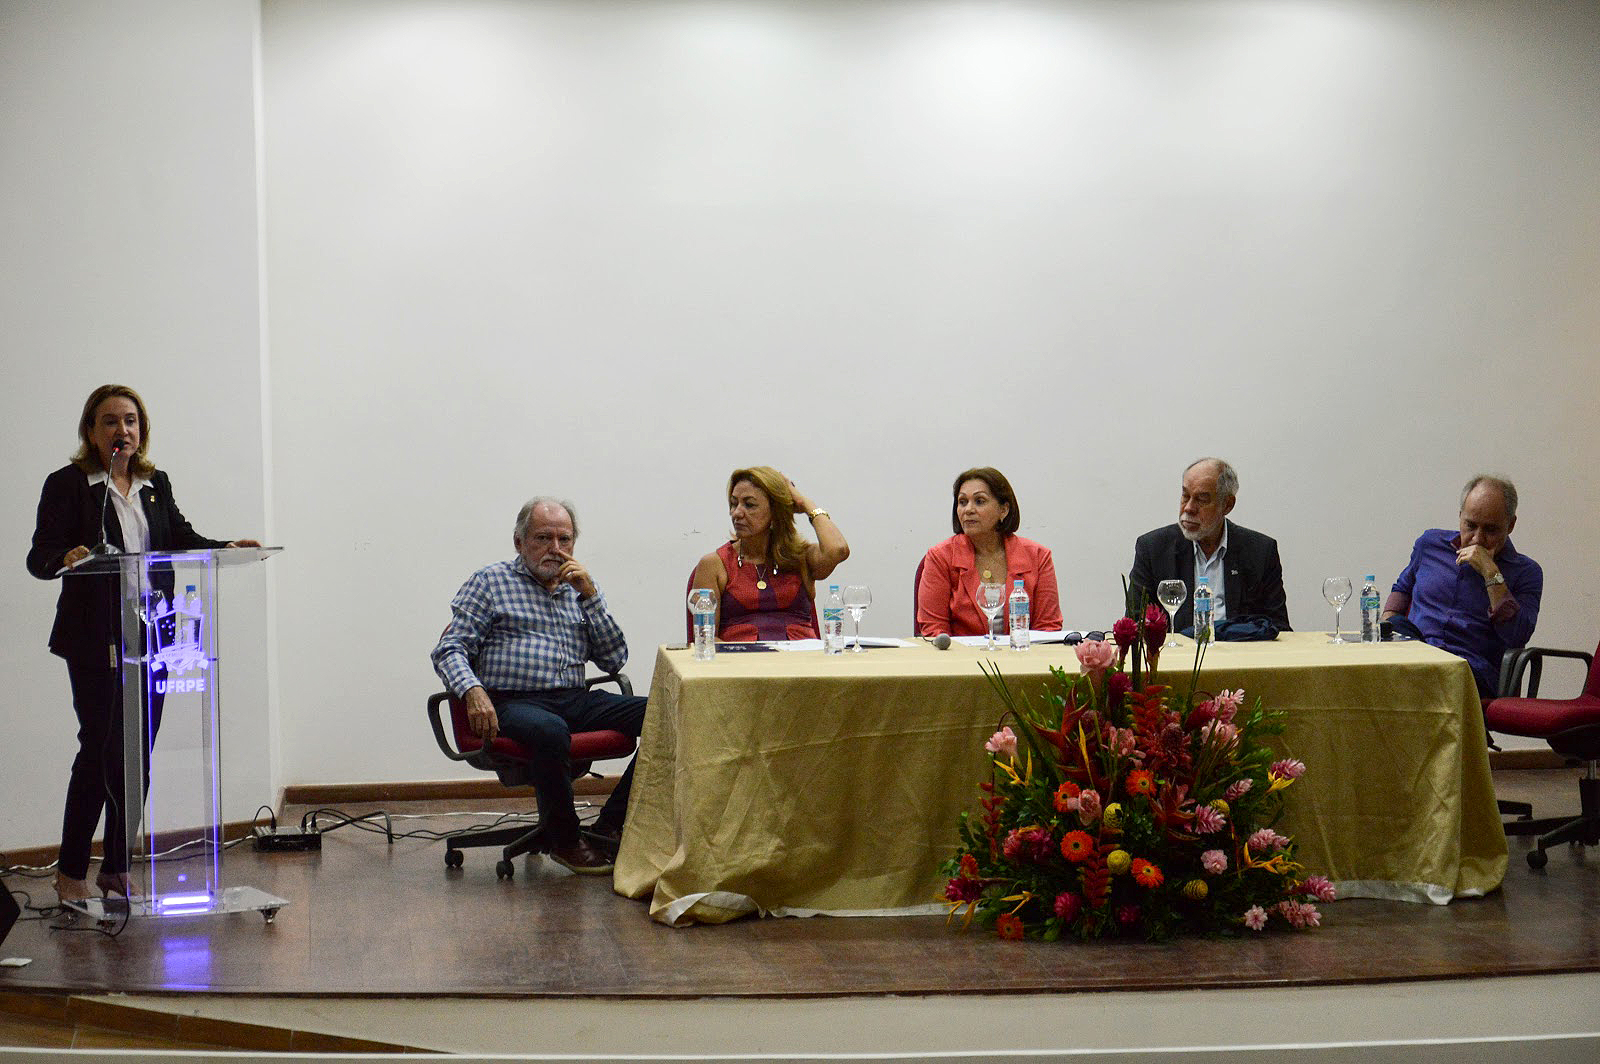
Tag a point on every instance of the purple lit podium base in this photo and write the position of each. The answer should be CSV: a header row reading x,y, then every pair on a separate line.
x,y
170,667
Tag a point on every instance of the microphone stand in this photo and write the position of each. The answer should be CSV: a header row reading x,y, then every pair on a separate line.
x,y
104,547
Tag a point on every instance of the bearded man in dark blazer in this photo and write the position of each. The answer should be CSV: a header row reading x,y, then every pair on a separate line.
x,y
1242,565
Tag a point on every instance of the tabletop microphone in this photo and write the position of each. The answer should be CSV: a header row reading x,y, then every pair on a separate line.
x,y
942,641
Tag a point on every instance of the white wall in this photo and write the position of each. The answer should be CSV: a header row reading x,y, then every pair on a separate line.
x,y
518,248
613,250
129,253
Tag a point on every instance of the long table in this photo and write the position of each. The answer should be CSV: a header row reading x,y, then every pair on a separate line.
x,y
794,783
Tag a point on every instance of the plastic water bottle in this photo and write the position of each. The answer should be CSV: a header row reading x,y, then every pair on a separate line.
x,y
1371,616
833,622
1204,632
1019,617
703,604
186,607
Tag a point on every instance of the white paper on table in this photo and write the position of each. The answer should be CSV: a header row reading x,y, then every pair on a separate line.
x,y
1004,640
878,641
793,644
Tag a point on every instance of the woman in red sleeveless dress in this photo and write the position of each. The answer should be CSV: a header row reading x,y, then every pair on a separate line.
x,y
765,576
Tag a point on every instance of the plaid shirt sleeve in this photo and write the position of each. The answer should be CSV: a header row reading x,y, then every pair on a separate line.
x,y
471,617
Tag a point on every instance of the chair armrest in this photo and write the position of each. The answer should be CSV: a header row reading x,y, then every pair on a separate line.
x,y
1531,661
439,733
618,678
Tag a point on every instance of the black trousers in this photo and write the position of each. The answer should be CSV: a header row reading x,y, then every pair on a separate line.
x,y
543,721
97,782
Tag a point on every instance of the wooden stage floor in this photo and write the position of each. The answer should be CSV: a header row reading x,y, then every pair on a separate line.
x,y
368,920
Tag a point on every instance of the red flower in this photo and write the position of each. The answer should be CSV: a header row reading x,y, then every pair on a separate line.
x,y
1068,906
1077,846
962,889
1127,915
1118,684
1146,874
969,866
1066,799
1009,925
1125,631
1141,781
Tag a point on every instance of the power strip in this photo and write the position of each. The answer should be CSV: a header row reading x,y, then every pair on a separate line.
x,y
286,840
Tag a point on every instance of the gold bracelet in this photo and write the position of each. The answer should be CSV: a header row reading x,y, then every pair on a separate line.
x,y
817,512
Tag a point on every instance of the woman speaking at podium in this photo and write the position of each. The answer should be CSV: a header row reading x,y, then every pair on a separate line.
x,y
110,494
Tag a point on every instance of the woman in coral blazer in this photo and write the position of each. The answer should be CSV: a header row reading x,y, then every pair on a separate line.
x,y
985,517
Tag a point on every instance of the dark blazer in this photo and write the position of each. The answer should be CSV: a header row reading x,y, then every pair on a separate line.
x,y
88,617
1254,578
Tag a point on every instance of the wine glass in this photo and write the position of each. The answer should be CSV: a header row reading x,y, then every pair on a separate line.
x,y
1336,589
991,600
856,598
1171,593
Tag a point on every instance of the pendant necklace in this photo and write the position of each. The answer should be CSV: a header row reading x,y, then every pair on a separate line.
x,y
761,576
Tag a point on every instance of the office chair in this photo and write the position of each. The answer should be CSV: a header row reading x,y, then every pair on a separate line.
x,y
509,760
1572,728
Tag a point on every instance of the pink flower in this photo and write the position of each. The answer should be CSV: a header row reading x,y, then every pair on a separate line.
x,y
1207,820
1040,847
1012,847
1118,684
1068,905
1004,742
1255,918
1220,732
1123,741
1203,714
1288,769
1127,915
1228,702
1125,631
1319,887
1300,914
1089,807
1267,839
1095,656
1214,861
1238,790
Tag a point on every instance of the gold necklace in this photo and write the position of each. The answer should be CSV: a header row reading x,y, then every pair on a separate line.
x,y
761,576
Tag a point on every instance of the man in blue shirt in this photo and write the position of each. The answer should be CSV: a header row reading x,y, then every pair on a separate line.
x,y
1470,592
520,636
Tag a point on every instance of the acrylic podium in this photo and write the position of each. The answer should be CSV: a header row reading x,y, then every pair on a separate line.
x,y
171,674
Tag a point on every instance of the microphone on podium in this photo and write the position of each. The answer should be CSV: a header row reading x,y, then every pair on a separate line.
x,y
104,547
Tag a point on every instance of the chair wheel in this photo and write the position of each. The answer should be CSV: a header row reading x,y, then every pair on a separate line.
x,y
504,870
453,858
1537,859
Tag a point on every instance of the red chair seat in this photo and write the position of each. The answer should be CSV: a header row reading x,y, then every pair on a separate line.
x,y
1540,718
586,746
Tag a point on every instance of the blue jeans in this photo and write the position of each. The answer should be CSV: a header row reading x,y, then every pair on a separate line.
x,y
543,721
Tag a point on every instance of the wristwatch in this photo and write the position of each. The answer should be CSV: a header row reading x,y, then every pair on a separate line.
x,y
817,512
1497,578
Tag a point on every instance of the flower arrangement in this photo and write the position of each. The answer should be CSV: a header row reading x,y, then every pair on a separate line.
x,y
1116,808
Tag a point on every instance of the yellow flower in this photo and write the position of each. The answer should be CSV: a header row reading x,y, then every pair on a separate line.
x,y
1220,806
1118,861
1195,890
1111,817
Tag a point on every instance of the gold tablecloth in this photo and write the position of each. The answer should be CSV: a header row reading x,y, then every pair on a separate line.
x,y
792,783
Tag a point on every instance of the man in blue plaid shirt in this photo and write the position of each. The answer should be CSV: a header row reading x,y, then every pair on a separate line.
x,y
521,633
